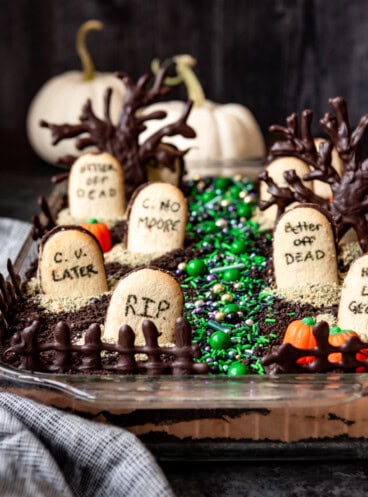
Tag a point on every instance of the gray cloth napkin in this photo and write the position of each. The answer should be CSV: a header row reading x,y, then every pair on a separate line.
x,y
48,453
12,236
45,452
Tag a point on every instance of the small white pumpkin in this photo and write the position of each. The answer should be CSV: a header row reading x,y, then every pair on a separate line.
x,y
60,100
227,131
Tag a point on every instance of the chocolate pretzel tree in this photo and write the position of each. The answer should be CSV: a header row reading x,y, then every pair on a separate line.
x,y
349,203
122,140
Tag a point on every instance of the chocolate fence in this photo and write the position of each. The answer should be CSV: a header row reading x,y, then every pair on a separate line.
x,y
176,360
284,358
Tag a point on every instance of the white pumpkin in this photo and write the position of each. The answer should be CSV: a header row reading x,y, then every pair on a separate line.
x,y
227,131
60,100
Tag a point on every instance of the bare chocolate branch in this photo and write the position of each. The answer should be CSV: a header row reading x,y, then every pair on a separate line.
x,y
349,192
122,140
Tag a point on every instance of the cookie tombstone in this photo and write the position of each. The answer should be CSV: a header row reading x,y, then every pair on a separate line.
x,y
71,263
157,218
96,187
276,170
304,250
147,293
353,307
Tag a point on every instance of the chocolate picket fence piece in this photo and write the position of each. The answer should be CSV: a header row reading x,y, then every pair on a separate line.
x,y
176,360
283,358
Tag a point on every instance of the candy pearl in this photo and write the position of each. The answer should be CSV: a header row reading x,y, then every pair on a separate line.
x,y
221,183
234,191
244,210
196,267
230,308
237,369
226,297
218,288
242,194
237,285
238,177
219,340
249,199
208,195
249,322
238,247
232,317
221,223
210,277
225,202
201,185
230,275
199,303
240,314
219,316
182,266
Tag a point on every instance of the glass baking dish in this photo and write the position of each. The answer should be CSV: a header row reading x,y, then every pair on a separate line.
x,y
251,416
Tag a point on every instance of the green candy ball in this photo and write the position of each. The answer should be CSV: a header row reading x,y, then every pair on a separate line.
x,y
230,308
238,247
196,267
208,227
208,195
219,340
234,191
237,369
222,183
230,275
244,210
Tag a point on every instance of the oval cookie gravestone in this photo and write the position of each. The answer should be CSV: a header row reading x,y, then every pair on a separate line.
x,y
157,218
71,263
276,170
320,188
96,188
304,250
353,307
147,293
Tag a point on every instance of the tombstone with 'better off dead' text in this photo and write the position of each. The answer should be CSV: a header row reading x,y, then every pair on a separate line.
x,y
304,249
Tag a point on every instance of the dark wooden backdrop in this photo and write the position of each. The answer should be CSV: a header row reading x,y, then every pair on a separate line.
x,y
274,56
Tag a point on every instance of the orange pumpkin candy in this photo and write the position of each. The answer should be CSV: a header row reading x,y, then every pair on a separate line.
x,y
101,232
300,334
337,338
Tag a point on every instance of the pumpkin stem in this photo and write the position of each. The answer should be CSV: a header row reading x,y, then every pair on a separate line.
x,y
335,330
92,221
185,73
81,46
309,321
